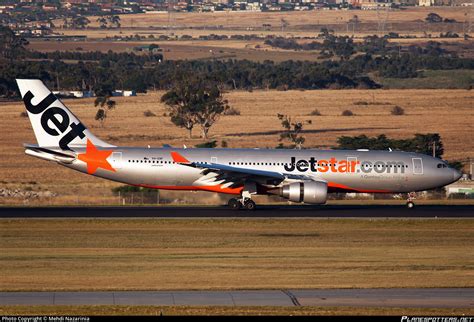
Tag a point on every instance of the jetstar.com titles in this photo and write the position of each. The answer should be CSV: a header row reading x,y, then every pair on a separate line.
x,y
344,166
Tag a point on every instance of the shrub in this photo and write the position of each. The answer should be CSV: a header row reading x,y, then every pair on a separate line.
x,y
207,145
23,114
361,103
149,113
232,111
397,110
347,113
315,112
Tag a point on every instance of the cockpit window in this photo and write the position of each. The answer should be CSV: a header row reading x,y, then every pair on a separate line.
x,y
441,165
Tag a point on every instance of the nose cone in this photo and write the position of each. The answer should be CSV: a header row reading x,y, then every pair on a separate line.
x,y
456,175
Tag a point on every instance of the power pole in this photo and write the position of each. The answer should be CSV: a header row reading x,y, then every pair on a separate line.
x,y
382,17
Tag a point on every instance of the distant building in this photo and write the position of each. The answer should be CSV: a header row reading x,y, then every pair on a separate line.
x,y
373,5
425,3
466,187
75,94
124,93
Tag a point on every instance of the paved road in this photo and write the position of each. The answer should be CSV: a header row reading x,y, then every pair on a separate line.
x,y
262,211
435,298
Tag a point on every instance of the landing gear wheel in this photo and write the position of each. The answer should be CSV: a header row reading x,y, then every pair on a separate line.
x,y
410,204
250,204
234,204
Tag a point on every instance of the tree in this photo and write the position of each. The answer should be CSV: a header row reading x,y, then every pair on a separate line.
x,y
80,22
433,18
65,23
11,46
292,130
104,102
283,24
195,101
114,20
420,143
397,110
102,22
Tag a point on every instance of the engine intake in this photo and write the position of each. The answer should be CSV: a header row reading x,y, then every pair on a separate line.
x,y
308,192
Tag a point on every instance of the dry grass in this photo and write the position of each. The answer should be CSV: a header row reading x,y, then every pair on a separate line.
x,y
222,310
178,50
296,19
448,112
409,21
156,254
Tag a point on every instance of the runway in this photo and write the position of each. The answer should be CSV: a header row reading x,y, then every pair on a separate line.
x,y
265,211
417,298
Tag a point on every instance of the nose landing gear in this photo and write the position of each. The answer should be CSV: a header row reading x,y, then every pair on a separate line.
x,y
410,200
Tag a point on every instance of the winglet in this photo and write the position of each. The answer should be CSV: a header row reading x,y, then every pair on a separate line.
x,y
178,158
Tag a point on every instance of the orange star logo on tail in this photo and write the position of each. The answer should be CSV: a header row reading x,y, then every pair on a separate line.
x,y
95,158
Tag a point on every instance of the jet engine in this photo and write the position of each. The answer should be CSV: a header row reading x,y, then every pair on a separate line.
x,y
308,192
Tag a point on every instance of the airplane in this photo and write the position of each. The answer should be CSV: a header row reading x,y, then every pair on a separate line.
x,y
304,176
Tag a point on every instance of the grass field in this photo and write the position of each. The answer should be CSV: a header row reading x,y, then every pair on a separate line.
x,y
179,50
448,112
221,310
156,254
433,79
410,20
254,50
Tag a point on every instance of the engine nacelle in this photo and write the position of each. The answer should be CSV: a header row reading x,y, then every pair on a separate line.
x,y
308,192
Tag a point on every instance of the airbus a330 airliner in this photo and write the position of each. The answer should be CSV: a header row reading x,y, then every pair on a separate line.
x,y
298,175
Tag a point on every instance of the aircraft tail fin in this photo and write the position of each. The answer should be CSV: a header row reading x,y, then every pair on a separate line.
x,y
53,123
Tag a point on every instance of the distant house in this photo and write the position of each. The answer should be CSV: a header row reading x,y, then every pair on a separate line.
x,y
151,48
460,187
124,93
425,3
74,94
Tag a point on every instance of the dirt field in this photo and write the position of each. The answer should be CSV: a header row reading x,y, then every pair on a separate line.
x,y
448,112
298,21
156,254
408,21
254,50
180,50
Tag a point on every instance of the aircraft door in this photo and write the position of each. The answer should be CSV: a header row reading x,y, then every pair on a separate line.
x,y
213,159
116,160
352,164
417,166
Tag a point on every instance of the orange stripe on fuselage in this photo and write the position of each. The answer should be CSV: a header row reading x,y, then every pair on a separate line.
x,y
345,188
217,188
238,190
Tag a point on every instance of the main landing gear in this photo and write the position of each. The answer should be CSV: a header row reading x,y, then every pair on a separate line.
x,y
245,201
410,200
242,203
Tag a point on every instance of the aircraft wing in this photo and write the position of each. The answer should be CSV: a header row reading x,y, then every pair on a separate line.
x,y
234,176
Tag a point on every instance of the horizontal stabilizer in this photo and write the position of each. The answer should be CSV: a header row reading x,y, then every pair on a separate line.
x,y
49,154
